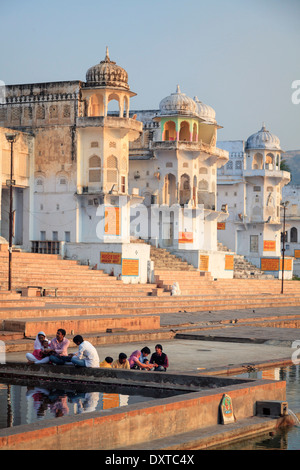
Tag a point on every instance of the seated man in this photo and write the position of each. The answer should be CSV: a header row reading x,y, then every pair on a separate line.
x,y
138,359
159,359
87,355
59,348
121,363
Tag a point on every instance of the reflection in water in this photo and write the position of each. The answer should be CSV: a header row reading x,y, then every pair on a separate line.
x,y
26,405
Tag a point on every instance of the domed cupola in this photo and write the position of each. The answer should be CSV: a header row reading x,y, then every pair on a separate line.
x,y
107,74
205,112
178,104
263,139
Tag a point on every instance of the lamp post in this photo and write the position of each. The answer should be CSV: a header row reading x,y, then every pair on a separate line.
x,y
11,138
284,206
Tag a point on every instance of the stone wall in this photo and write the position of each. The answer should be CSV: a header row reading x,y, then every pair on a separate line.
x,y
142,423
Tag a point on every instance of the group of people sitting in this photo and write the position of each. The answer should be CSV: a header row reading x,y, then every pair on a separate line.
x,y
56,352
139,360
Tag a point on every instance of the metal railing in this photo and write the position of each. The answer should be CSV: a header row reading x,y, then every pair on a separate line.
x,y
46,247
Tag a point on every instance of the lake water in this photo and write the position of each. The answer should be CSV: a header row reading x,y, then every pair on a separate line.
x,y
21,404
284,439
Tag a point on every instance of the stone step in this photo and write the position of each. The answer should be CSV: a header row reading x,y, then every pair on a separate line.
x,y
68,273
244,269
82,293
19,281
60,282
9,295
187,301
81,325
100,338
25,254
222,247
181,276
256,283
32,302
57,310
29,260
162,258
215,306
11,336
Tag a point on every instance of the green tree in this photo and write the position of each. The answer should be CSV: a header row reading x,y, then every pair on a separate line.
x,y
284,166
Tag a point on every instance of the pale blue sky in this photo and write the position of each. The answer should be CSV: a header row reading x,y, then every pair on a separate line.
x,y
238,56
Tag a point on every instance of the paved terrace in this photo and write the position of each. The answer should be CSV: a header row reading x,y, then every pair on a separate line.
x,y
209,340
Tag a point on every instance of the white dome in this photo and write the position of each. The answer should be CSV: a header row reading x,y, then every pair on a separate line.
x,y
204,111
263,139
178,103
107,74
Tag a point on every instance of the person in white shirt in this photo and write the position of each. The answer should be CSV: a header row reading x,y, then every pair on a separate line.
x,y
86,355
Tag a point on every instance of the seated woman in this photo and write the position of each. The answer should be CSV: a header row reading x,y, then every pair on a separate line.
x,y
39,355
138,359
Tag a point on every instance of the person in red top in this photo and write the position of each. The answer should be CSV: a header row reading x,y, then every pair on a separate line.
x,y
39,355
159,359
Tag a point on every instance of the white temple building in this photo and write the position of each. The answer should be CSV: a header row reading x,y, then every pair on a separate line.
x,y
173,166
87,179
251,186
291,197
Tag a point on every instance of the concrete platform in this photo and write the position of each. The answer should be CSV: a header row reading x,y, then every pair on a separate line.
x,y
195,408
82,325
188,355
246,334
236,349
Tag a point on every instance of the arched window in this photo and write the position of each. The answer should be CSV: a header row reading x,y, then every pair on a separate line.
x,y
39,184
112,169
61,182
184,133
257,162
294,235
95,107
169,191
185,189
203,185
40,112
114,104
94,169
169,132
269,161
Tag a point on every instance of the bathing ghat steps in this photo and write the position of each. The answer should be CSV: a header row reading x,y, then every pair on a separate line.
x,y
242,268
91,302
